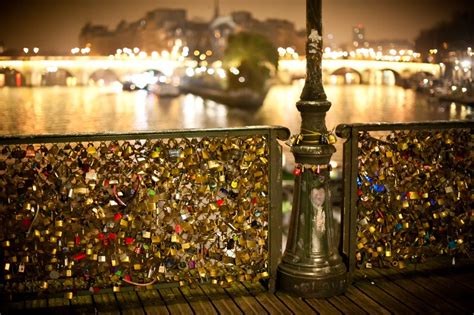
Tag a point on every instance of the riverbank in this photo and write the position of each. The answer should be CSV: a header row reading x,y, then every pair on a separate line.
x,y
466,100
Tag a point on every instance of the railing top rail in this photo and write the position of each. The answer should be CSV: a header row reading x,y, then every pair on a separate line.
x,y
344,130
281,133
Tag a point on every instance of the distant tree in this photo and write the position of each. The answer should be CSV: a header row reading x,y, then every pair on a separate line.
x,y
86,28
121,26
254,56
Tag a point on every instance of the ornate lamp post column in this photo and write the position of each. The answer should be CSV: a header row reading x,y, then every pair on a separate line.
x,y
311,265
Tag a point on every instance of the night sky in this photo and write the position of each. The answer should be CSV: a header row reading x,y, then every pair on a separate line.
x,y
55,24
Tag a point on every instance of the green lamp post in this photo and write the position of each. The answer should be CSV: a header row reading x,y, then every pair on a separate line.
x,y
311,265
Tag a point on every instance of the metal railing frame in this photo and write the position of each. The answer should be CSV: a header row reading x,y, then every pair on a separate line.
x,y
273,133
351,132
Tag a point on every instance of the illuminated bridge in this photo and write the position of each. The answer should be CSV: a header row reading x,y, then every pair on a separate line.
x,y
363,71
37,71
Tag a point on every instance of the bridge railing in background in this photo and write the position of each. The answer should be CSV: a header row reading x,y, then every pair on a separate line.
x,y
408,192
102,211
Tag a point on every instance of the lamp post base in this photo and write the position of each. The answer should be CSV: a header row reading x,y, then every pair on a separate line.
x,y
311,266
311,281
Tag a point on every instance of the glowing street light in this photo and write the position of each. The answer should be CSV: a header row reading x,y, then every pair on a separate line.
x,y
281,51
85,51
25,50
36,50
185,52
466,64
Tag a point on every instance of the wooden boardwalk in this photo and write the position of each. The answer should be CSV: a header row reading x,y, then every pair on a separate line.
x,y
434,288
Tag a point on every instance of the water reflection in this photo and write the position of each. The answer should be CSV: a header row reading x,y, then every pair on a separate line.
x,y
199,113
93,109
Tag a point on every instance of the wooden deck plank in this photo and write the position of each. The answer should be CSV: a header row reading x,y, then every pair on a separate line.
x,y
345,305
106,304
296,304
247,303
439,289
462,267
414,288
369,305
198,300
400,293
175,301
221,300
152,302
462,279
269,301
435,287
129,303
461,272
375,293
443,269
457,292
323,306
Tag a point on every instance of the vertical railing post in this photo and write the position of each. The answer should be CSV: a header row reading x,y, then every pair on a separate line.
x,y
275,206
350,196
311,265
343,132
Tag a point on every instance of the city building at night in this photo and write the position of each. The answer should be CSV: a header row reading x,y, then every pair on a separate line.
x,y
162,29
447,40
158,30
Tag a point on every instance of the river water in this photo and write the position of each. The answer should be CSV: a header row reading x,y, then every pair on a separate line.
x,y
59,110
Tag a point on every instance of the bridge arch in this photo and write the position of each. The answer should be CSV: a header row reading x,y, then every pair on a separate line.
x,y
390,77
11,77
103,77
422,79
161,76
420,75
346,75
57,76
